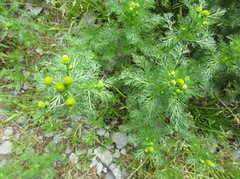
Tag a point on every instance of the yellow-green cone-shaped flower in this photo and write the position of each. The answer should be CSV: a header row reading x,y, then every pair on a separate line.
x,y
100,85
8,25
47,103
68,80
205,13
199,9
48,80
66,59
70,102
60,87
184,87
180,82
205,23
210,163
41,104
173,82
187,79
178,91
150,149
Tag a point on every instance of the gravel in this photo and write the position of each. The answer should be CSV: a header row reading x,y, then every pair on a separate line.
x,y
57,138
104,155
49,134
73,158
93,163
116,154
99,168
8,131
6,147
119,139
81,152
3,162
68,151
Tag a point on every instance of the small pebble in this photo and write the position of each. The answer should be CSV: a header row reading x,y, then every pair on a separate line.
x,y
49,134
81,152
6,147
73,158
3,162
57,138
68,151
123,151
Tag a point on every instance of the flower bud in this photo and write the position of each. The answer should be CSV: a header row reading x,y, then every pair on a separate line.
x,y
68,80
205,23
65,59
199,9
70,102
100,85
173,82
180,82
205,13
41,104
48,80
184,87
8,25
60,87
150,149
178,91
187,79
210,163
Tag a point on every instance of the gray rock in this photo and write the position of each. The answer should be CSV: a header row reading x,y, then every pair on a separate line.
x,y
105,169
87,19
116,154
8,131
110,147
81,152
3,162
104,155
26,86
123,151
119,139
110,176
93,163
236,155
23,119
101,132
99,168
57,138
34,10
90,151
3,114
68,131
15,92
46,149
107,134
6,147
73,158
79,166
68,151
49,134
107,127
17,135
116,170
19,152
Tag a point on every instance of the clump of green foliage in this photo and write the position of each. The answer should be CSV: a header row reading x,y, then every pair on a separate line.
x,y
30,165
158,67
19,33
72,86
161,63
